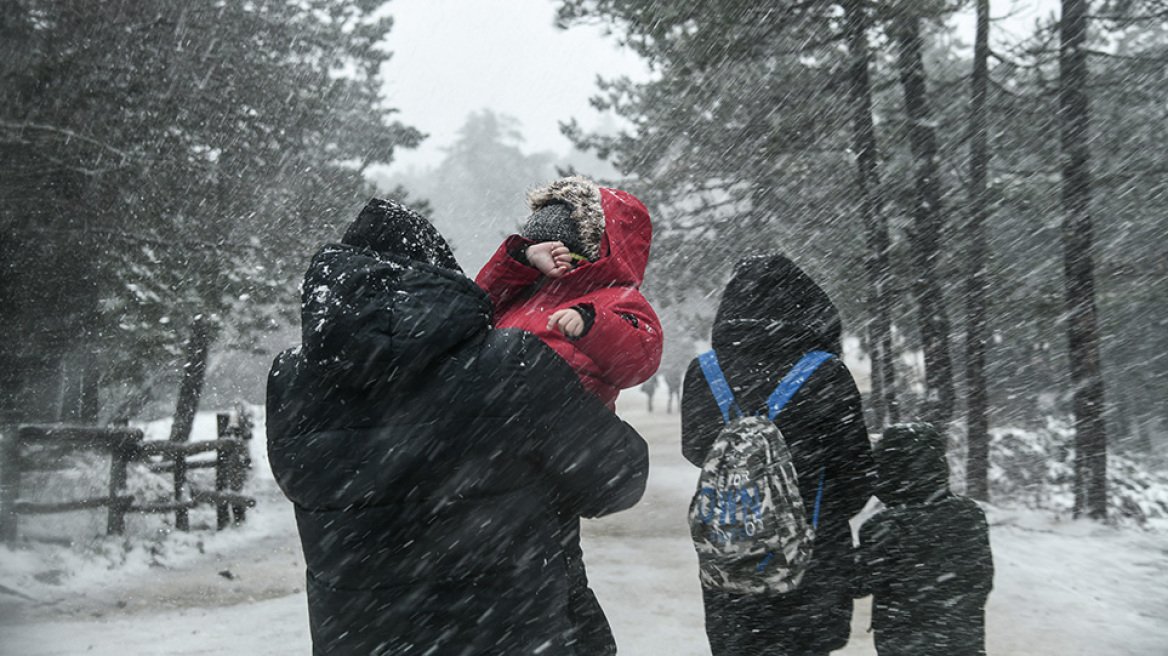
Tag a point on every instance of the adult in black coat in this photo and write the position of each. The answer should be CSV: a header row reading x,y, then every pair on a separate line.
x,y
926,558
438,467
770,316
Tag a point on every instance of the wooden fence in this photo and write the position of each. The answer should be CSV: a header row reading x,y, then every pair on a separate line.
x,y
125,445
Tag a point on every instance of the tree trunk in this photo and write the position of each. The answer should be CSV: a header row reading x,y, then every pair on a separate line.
x,y
189,392
1083,329
926,235
191,387
868,180
976,417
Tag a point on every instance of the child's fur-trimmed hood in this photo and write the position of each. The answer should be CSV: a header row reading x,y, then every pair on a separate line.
x,y
583,196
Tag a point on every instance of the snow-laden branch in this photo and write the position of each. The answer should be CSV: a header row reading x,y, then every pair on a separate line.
x,y
65,132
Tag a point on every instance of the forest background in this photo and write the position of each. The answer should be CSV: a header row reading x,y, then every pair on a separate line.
x,y
989,220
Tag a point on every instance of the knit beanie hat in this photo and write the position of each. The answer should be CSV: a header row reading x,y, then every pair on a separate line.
x,y
390,228
567,210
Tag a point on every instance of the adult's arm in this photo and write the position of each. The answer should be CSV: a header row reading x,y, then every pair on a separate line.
x,y
871,561
853,459
700,417
596,463
829,405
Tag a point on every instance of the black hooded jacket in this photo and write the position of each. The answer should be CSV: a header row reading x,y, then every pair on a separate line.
x,y
927,555
770,316
438,467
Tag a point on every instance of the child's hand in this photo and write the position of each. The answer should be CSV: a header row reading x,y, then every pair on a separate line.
x,y
569,322
552,258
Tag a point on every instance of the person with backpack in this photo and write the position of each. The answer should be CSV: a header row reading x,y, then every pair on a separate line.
x,y
438,467
926,557
791,591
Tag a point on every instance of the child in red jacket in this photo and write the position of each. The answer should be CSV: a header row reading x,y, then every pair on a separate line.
x,y
573,276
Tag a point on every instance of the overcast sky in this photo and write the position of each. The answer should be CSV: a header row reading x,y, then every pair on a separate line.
x,y
454,57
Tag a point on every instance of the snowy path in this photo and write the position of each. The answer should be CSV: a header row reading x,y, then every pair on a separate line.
x,y
1061,588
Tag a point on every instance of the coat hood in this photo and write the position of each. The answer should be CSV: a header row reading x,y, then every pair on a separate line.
x,y
390,228
771,304
910,461
613,224
387,302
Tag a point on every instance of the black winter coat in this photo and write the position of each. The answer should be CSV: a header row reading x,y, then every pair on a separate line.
x,y
438,467
926,557
770,316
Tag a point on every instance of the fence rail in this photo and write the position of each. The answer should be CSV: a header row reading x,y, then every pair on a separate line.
x,y
125,445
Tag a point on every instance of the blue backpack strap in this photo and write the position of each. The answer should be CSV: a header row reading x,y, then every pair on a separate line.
x,y
794,380
718,385
783,393
818,497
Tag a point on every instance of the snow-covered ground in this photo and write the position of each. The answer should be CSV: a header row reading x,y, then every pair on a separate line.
x,y
1062,587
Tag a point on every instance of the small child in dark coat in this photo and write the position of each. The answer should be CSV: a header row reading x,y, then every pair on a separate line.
x,y
926,558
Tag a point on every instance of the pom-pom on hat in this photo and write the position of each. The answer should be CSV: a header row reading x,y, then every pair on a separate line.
x,y
567,210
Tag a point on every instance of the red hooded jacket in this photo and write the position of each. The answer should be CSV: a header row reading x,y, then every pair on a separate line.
x,y
623,347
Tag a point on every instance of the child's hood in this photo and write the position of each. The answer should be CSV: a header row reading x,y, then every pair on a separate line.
x,y
611,221
628,233
910,459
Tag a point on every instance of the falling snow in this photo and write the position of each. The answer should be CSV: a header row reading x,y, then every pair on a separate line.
x,y
1061,588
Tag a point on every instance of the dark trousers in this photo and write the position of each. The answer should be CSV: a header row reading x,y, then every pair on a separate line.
x,y
813,620
590,634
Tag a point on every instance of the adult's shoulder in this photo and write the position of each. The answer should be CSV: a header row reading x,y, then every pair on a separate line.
x,y
963,508
285,368
282,393
289,358
834,371
829,388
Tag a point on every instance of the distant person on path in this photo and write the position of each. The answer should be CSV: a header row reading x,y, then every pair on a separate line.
x,y
649,387
438,467
926,557
676,357
771,315
572,278
673,383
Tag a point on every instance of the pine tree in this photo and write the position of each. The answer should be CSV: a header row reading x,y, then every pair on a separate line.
x,y
884,403
166,160
1082,314
976,331
928,228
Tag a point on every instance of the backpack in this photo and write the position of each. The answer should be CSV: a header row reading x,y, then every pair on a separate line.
x,y
747,517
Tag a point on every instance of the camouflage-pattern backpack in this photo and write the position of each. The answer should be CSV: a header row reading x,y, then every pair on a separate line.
x,y
747,517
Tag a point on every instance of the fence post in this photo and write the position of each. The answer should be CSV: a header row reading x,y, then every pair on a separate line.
x,y
182,520
9,482
120,455
241,459
223,458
